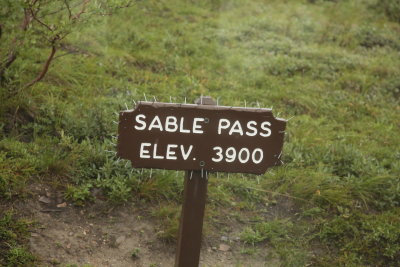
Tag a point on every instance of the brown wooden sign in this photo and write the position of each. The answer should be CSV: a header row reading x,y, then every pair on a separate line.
x,y
200,137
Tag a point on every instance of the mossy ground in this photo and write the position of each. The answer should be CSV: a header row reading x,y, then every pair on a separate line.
x,y
333,67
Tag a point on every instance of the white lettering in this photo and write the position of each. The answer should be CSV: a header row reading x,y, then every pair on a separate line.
x,y
156,123
171,153
265,128
143,152
143,123
260,157
223,124
196,127
236,128
252,128
247,155
185,155
230,154
218,153
181,129
155,156
171,121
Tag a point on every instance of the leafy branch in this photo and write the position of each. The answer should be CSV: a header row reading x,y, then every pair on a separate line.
x,y
49,22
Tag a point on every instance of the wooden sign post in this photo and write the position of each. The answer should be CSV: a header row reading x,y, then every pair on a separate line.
x,y
199,138
192,217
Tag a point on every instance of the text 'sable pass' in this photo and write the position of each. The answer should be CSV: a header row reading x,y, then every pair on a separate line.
x,y
196,137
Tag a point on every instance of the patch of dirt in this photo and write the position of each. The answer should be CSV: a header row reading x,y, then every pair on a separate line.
x,y
101,235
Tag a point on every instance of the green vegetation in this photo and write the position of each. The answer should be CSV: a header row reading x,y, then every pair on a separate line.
x,y
333,67
272,231
135,254
168,216
364,237
13,236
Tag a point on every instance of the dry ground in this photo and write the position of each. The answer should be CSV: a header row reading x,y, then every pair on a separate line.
x,y
102,235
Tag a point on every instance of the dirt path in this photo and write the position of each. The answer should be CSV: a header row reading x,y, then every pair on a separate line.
x,y
99,235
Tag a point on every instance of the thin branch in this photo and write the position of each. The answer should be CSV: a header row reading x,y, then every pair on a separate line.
x,y
82,11
71,7
26,21
12,55
65,54
111,8
68,8
10,59
45,67
34,17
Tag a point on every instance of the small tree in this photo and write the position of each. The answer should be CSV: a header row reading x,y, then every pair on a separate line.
x,y
44,23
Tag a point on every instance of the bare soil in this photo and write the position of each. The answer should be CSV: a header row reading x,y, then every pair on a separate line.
x,y
103,235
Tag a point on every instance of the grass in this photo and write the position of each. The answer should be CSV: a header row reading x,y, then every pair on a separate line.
x,y
331,66
364,237
13,239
